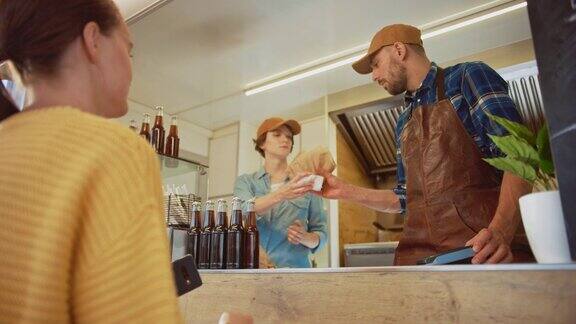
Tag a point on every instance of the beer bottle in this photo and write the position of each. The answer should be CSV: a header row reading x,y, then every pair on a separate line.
x,y
145,130
158,131
172,141
205,236
193,244
235,237
251,245
218,249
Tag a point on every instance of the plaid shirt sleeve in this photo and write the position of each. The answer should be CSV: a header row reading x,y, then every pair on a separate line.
x,y
486,92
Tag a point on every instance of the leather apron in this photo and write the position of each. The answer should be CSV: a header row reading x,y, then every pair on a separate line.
x,y
451,192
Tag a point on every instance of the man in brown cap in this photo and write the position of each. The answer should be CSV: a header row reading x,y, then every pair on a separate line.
x,y
452,198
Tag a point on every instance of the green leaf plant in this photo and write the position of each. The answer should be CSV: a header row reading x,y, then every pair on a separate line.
x,y
527,155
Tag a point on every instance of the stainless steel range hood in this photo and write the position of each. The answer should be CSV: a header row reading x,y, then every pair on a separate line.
x,y
369,129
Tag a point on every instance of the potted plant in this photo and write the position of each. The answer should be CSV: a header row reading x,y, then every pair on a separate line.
x,y
528,156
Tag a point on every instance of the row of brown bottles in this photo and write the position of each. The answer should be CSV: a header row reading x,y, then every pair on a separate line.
x,y
169,145
215,245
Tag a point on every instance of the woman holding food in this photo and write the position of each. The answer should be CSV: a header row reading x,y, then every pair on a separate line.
x,y
290,218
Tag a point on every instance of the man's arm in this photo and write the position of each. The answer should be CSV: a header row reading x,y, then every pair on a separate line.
x,y
380,200
492,244
486,92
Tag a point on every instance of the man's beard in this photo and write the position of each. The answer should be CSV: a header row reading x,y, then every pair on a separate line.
x,y
398,81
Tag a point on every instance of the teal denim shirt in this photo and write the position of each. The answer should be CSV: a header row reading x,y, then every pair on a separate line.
x,y
273,224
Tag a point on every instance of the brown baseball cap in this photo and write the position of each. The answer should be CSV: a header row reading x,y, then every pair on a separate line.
x,y
387,36
273,123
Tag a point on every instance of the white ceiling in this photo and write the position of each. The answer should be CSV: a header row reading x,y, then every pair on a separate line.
x,y
196,57
129,8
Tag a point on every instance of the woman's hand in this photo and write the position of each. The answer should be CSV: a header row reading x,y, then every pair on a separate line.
x,y
294,189
297,234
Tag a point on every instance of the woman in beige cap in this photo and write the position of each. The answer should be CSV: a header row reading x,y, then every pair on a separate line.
x,y
291,220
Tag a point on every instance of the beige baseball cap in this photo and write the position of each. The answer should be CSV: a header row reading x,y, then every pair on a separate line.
x,y
387,36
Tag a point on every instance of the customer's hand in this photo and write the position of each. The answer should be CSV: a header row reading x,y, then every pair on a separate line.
x,y
235,318
490,246
293,189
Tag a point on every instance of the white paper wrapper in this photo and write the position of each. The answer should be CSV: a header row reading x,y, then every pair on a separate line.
x,y
316,180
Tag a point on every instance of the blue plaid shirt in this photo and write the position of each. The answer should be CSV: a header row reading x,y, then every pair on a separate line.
x,y
474,90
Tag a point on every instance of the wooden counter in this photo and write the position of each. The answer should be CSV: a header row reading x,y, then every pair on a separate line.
x,y
426,294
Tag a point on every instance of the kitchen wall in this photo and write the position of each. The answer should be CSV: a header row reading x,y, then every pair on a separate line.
x,y
248,159
223,162
355,221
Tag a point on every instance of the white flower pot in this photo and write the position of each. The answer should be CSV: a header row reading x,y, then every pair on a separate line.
x,y
544,224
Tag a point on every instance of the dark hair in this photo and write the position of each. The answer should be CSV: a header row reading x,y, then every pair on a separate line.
x,y
35,33
261,139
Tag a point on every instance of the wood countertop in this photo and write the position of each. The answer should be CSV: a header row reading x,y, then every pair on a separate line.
x,y
468,267
515,293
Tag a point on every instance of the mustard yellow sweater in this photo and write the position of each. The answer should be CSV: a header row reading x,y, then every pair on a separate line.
x,y
82,235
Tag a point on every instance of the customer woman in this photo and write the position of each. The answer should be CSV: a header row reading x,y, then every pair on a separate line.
x,y
291,220
82,237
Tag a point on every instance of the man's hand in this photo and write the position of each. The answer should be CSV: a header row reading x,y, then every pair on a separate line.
x,y
381,200
490,247
298,235
335,188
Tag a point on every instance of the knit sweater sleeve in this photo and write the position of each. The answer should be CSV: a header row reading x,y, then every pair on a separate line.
x,y
122,267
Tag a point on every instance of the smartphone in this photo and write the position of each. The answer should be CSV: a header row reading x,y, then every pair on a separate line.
x,y
186,276
457,256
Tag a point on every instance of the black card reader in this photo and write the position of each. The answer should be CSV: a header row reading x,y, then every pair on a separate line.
x,y
457,256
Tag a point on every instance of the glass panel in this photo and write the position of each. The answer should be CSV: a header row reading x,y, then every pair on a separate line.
x,y
172,167
181,176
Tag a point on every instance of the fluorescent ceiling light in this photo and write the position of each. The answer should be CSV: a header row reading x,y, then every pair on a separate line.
x,y
298,74
474,20
302,75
